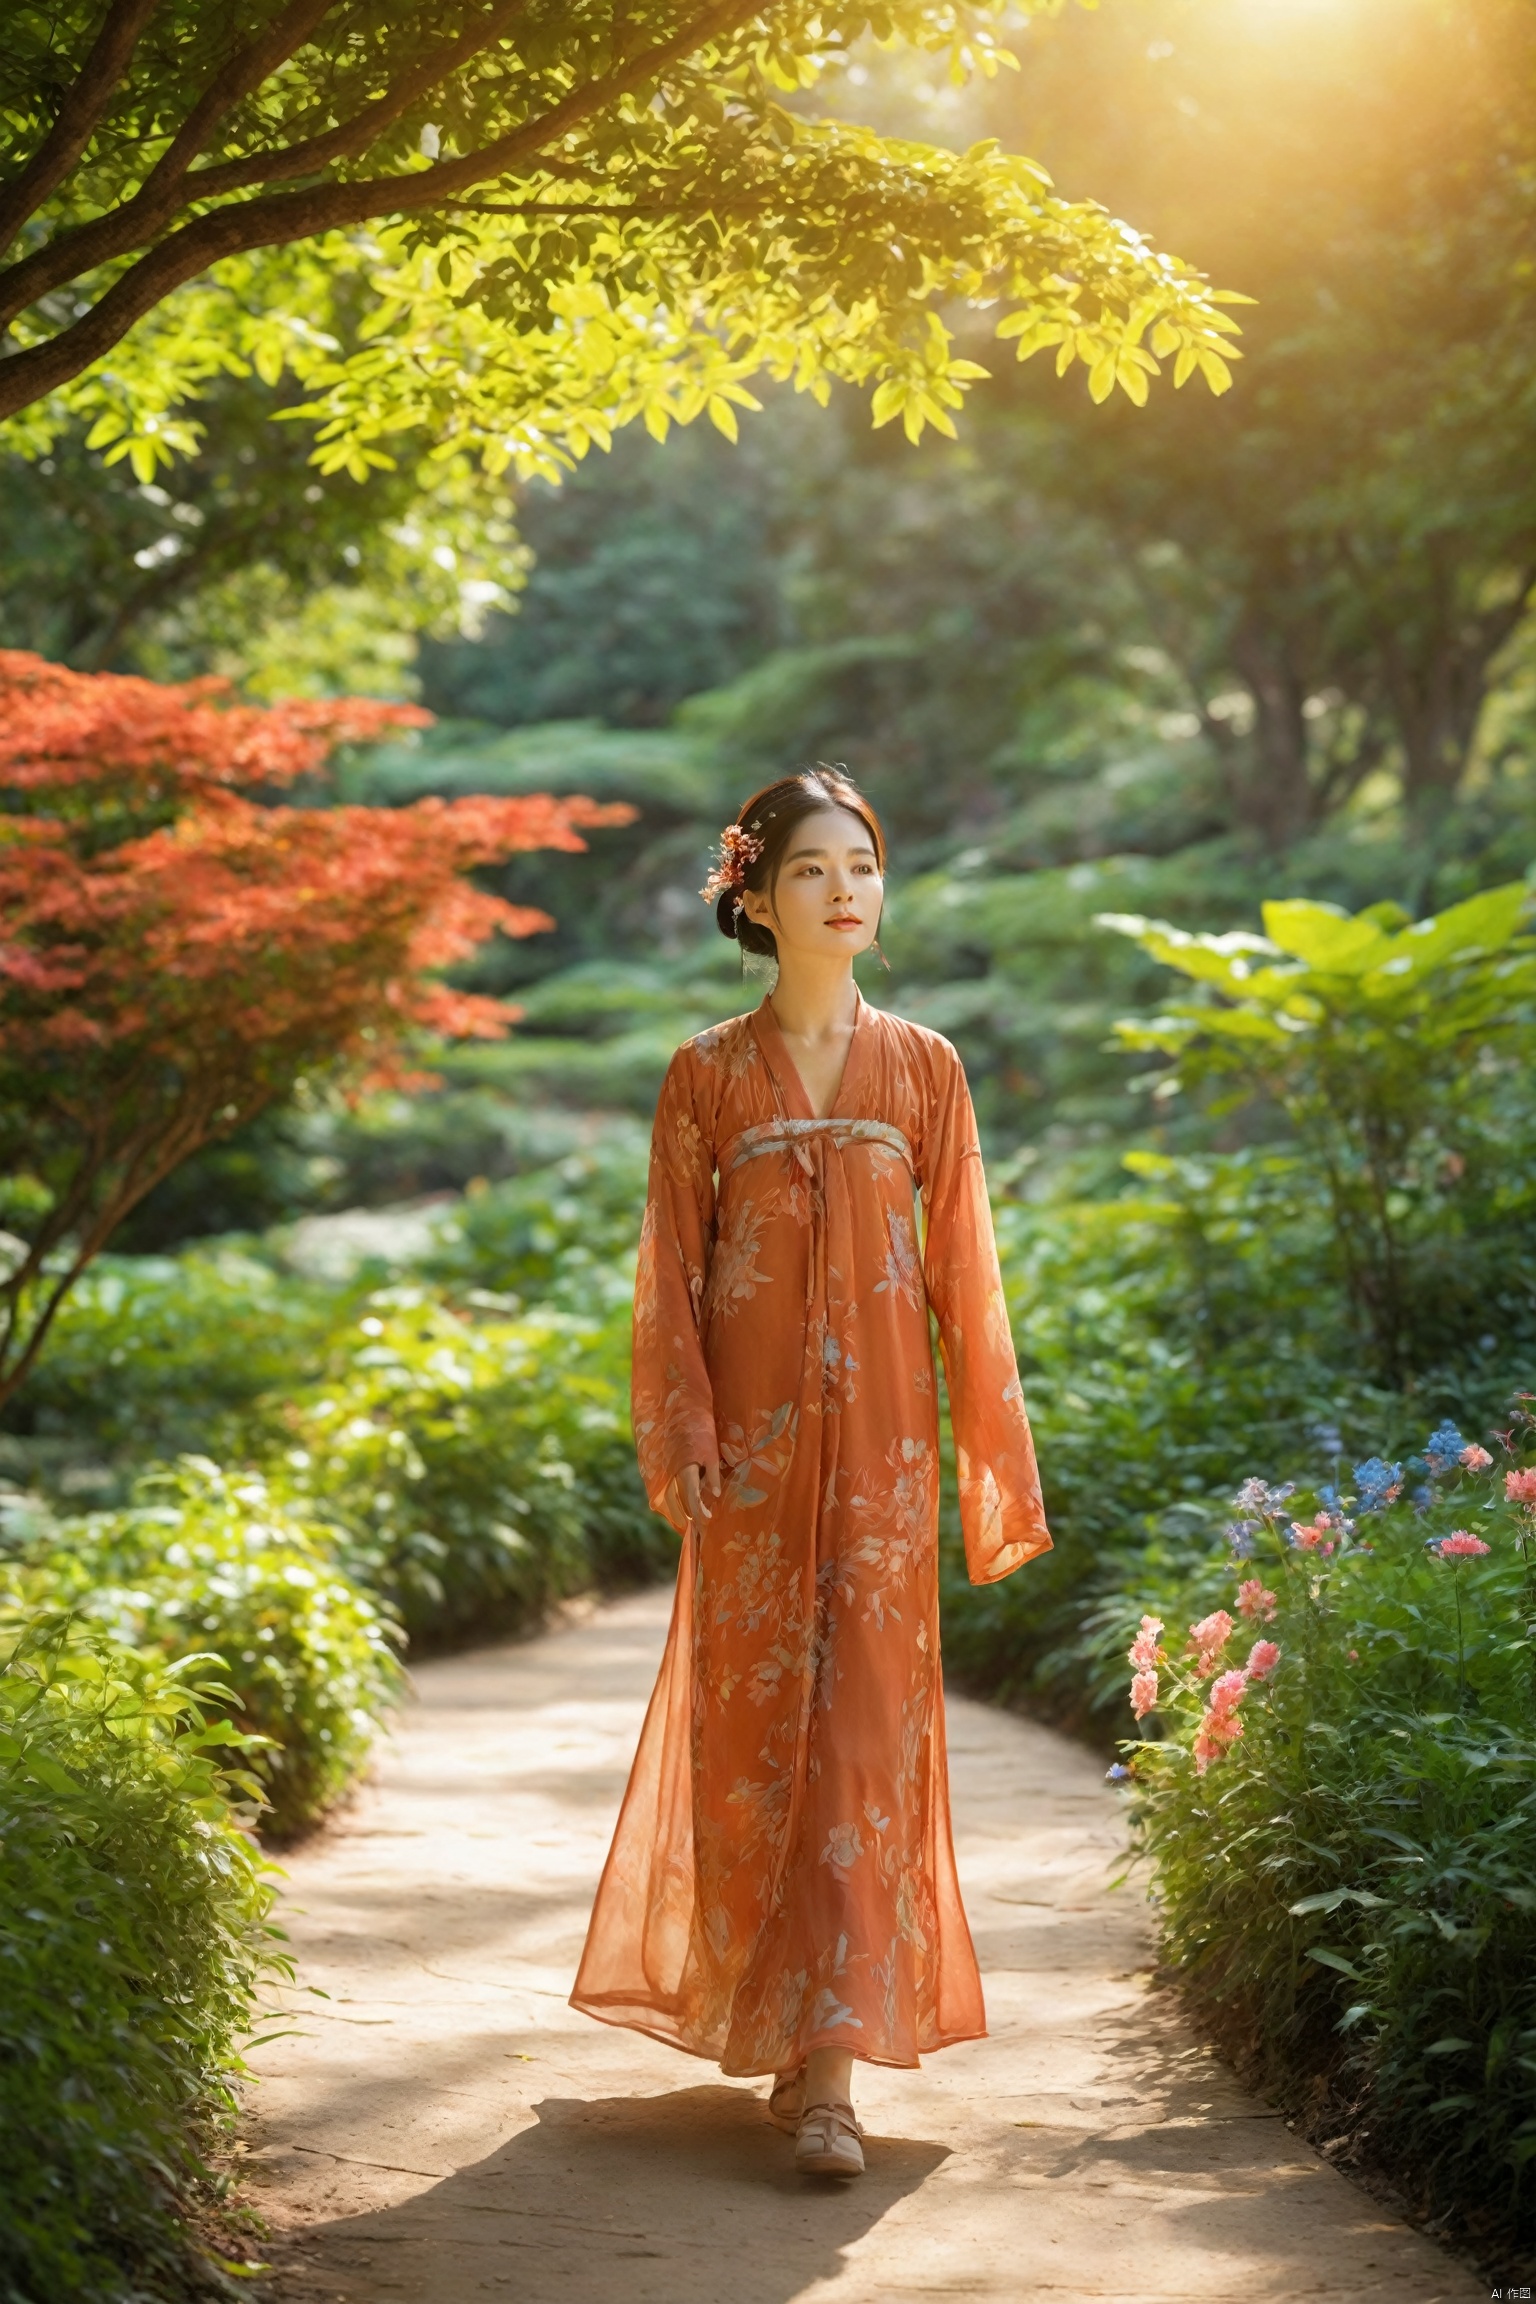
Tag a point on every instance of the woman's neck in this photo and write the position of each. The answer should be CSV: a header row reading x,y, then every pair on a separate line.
x,y
814,999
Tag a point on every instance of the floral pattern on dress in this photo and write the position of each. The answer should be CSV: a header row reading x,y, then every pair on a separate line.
x,y
782,1876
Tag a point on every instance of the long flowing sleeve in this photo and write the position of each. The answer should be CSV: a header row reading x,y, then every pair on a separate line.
x,y
671,1396
1001,1512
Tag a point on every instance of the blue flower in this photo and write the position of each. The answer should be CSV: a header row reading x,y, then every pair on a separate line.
x,y
1240,1535
1442,1450
1327,1439
1423,1497
1377,1484
1117,1774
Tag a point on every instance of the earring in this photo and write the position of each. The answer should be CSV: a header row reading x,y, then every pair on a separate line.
x,y
880,956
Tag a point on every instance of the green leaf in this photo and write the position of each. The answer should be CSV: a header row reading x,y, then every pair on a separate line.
x,y
49,1773
1331,1959
1324,937
1487,922
1329,1900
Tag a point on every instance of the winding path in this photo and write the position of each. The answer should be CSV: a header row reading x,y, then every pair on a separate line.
x,y
441,2127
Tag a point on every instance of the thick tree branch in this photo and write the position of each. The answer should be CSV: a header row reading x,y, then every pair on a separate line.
x,y
354,136
83,246
240,73
77,117
284,217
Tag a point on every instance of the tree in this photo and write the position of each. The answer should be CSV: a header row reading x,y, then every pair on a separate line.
x,y
179,948
1337,556
563,217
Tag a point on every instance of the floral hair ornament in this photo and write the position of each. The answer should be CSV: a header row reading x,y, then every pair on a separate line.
x,y
739,851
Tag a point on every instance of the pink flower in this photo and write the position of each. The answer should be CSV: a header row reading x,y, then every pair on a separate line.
x,y
1228,1691
1220,1727
1354,1655
1213,1737
1143,1649
1476,1459
1256,1601
1144,1694
1459,1545
1309,1534
1263,1656
1520,1487
1208,1638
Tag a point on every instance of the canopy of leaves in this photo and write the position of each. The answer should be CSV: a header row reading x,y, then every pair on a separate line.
x,y
564,217
238,557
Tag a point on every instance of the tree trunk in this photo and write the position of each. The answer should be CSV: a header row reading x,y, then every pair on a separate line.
x,y
1437,680
1273,795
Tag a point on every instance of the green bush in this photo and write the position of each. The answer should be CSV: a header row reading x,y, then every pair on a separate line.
x,y
477,1465
133,1936
1344,1828
565,1235
1398,1052
205,1559
154,1356
1168,1339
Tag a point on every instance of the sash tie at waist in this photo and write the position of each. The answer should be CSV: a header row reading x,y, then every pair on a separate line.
x,y
785,1135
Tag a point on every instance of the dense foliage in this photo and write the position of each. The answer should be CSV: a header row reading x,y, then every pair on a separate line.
x,y
412,1430
202,1561
133,1937
1341,1808
1399,1051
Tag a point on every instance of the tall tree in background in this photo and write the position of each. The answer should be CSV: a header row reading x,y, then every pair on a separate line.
x,y
1337,555
566,215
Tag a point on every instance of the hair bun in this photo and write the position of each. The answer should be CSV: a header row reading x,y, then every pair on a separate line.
x,y
728,912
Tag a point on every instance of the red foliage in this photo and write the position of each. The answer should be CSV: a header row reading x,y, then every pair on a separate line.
x,y
65,732
232,930
174,952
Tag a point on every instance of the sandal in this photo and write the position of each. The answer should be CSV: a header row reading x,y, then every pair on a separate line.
x,y
786,2100
828,2141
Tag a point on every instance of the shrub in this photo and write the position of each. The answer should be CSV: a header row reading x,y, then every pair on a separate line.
x,y
1342,1807
1166,1338
565,1235
1398,1052
205,1559
156,1356
477,1465
133,1935
1170,1339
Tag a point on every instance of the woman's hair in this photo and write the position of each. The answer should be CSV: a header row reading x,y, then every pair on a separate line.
x,y
753,848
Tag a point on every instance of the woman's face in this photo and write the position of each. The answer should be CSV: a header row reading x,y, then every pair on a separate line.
x,y
829,891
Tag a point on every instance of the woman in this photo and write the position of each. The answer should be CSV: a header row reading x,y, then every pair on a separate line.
x,y
781,1890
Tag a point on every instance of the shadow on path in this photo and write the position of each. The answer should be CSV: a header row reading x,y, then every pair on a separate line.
x,y
683,2198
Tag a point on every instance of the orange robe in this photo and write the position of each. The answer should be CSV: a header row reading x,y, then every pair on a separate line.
x,y
782,1875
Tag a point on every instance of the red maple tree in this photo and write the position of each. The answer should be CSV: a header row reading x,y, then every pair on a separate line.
x,y
177,945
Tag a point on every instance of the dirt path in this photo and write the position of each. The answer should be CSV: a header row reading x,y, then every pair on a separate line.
x,y
444,2127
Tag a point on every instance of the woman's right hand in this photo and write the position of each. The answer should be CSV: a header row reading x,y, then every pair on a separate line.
x,y
685,1495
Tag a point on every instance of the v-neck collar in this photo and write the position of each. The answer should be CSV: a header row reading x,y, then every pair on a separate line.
x,y
785,1071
